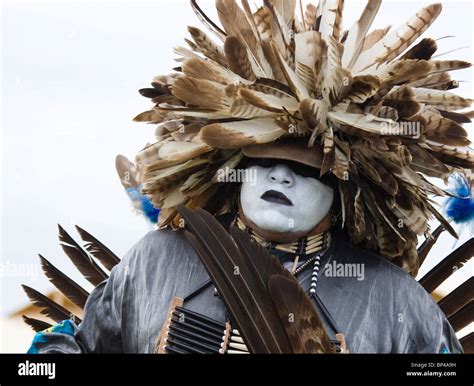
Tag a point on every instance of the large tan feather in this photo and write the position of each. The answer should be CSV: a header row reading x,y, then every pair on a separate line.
x,y
236,24
292,79
202,93
182,151
285,9
240,108
262,20
443,130
310,49
403,71
365,122
330,25
398,39
449,65
237,58
431,81
314,113
206,45
310,16
356,35
374,37
362,88
205,69
443,100
269,102
337,80
234,135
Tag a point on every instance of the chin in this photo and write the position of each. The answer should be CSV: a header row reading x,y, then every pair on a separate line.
x,y
273,220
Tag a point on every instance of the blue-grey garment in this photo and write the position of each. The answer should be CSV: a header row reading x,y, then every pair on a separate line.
x,y
378,307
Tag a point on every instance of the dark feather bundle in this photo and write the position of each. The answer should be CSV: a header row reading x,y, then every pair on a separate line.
x,y
457,299
84,263
98,250
36,324
447,266
425,248
68,287
258,292
463,317
62,282
467,343
49,307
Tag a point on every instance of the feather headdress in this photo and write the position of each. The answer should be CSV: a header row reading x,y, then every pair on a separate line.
x,y
377,106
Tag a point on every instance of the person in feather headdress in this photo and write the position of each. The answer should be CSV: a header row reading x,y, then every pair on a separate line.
x,y
336,132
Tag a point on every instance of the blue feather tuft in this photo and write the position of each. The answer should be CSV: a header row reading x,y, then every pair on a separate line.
x,y
143,204
460,208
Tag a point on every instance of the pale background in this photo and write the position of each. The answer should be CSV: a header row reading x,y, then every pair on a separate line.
x,y
70,75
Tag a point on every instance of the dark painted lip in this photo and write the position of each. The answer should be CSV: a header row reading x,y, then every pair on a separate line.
x,y
276,197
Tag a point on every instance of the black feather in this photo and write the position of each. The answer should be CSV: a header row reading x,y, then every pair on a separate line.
x,y
463,317
423,50
447,266
36,324
150,92
454,116
467,343
73,291
458,298
49,307
84,263
425,248
98,250
442,220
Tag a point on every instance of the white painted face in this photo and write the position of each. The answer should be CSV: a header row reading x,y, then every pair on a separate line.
x,y
281,200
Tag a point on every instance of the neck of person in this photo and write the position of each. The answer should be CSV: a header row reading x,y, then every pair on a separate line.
x,y
286,237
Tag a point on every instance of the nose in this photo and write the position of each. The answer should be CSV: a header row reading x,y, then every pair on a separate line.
x,y
282,174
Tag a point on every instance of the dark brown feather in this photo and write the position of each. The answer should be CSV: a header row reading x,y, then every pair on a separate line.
x,y
444,222
425,248
423,50
265,316
463,317
467,343
458,298
63,283
303,325
84,263
36,324
245,294
447,266
49,307
212,253
237,58
454,116
405,108
150,92
98,250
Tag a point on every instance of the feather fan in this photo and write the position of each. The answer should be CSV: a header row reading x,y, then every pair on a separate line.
x,y
258,292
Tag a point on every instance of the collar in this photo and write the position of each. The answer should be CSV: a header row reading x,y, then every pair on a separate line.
x,y
301,248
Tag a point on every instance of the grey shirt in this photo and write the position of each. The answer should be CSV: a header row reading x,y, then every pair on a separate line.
x,y
378,306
